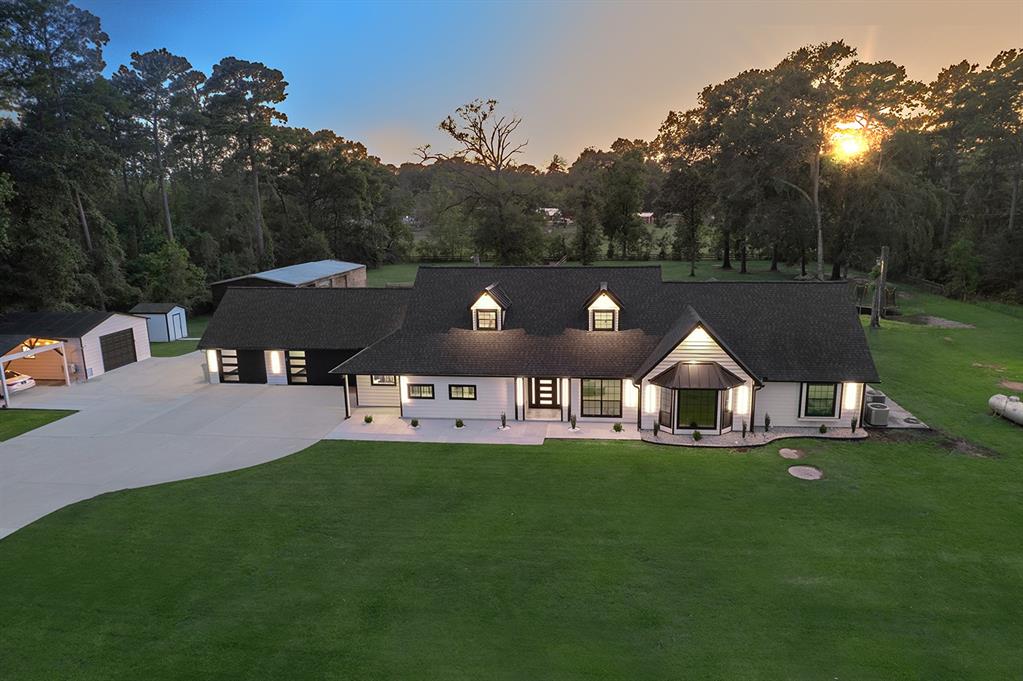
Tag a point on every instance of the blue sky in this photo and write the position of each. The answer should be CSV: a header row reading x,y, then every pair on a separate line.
x,y
580,73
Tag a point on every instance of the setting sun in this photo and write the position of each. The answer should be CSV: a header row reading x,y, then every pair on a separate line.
x,y
849,141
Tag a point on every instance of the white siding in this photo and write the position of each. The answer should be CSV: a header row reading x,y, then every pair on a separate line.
x,y
280,376
698,346
493,396
782,402
375,395
630,404
92,353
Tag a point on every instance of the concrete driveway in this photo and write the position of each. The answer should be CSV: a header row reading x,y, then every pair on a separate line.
x,y
148,423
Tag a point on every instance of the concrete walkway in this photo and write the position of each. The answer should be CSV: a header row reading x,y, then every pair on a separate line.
x,y
388,426
148,423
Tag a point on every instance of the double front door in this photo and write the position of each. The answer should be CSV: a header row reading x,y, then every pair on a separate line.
x,y
544,393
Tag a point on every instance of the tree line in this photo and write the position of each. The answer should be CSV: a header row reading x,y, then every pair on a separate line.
x,y
152,182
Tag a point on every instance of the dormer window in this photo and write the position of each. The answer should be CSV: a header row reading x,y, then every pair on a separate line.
x,y
489,309
605,320
486,320
603,309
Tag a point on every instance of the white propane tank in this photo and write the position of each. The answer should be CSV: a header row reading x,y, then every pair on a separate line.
x,y
1009,407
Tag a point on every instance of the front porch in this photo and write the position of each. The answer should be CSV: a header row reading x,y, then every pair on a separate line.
x,y
758,439
388,425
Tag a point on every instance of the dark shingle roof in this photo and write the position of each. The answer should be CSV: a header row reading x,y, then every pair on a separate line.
x,y
305,318
780,331
51,324
10,341
154,308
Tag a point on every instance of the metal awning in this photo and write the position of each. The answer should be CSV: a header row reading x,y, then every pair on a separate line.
x,y
697,375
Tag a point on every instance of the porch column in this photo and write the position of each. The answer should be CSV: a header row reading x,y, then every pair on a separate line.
x,y
63,355
3,385
348,404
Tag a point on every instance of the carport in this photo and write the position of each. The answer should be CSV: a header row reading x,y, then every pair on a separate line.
x,y
16,348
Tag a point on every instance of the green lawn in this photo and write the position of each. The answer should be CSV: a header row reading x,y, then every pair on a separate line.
x,y
196,328
575,560
14,422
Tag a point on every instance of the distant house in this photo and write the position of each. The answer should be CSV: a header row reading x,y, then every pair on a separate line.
x,y
166,321
318,274
647,218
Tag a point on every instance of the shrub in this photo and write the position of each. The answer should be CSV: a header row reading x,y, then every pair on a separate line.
x,y
852,424
459,423
744,429
368,418
504,420
697,435
823,429
657,428
618,427
692,425
767,423
415,423
571,419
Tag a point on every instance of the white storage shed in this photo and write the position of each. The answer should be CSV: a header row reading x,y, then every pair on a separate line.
x,y
166,321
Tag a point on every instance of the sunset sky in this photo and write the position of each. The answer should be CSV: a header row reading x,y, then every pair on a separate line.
x,y
580,74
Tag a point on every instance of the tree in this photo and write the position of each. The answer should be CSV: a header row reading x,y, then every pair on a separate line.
x,y
685,194
506,220
586,242
154,80
623,185
167,274
50,53
241,94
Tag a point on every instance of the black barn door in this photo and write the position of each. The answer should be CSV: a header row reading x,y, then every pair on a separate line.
x,y
251,366
117,349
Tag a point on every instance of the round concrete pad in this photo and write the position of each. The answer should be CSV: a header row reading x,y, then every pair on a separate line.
x,y
805,472
787,453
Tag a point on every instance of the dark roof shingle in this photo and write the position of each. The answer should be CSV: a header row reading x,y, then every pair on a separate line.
x,y
305,318
154,308
780,331
51,324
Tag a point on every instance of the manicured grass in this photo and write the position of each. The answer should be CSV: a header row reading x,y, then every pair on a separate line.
x,y
945,376
574,560
14,422
196,328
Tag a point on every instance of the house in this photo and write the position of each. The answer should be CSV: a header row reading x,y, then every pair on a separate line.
x,y
611,344
296,336
317,274
646,218
166,321
71,346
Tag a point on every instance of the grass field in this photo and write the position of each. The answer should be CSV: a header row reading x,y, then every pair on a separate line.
x,y
14,422
575,560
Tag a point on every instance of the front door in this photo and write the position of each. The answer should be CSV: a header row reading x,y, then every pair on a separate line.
x,y
544,393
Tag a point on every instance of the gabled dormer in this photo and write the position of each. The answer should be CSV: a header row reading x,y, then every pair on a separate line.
x,y
603,309
489,310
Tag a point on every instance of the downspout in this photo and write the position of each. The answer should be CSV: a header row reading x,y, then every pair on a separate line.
x,y
639,410
753,409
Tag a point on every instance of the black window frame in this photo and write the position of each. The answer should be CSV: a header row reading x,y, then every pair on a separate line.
x,y
614,317
712,399
601,400
833,398
452,386
373,379
421,397
480,327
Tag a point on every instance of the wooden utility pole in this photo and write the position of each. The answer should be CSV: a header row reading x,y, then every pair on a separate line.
x,y
877,310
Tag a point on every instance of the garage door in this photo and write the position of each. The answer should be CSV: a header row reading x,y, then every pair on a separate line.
x,y
312,367
118,349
